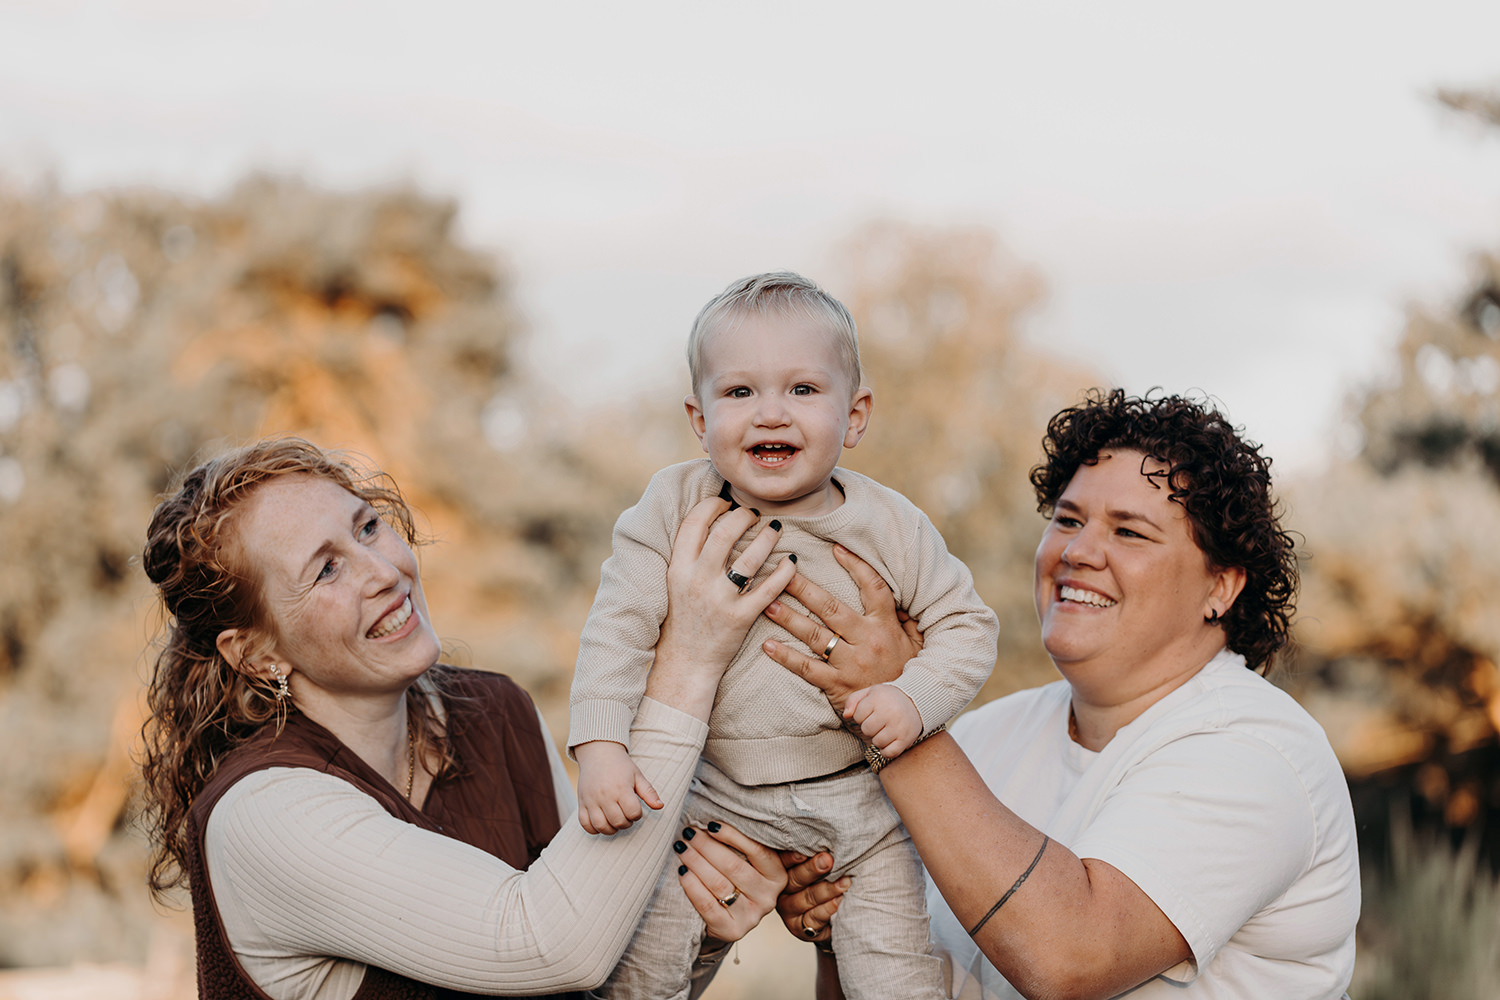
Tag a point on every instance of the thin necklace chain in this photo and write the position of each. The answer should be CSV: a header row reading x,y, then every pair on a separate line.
x,y
411,759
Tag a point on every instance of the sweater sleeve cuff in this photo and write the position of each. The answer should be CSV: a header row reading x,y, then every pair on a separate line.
x,y
599,719
936,702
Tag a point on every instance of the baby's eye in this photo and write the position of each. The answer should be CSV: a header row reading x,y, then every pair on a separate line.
x,y
803,390
738,392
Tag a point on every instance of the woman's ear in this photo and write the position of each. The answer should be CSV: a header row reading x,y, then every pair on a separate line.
x,y
1225,591
246,652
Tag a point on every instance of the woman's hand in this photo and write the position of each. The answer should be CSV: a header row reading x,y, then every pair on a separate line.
x,y
708,615
809,903
872,647
720,863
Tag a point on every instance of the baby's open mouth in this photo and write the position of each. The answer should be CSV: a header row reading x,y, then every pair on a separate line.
x,y
773,453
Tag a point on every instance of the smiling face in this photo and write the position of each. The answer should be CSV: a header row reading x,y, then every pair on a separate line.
x,y
340,589
776,411
1122,589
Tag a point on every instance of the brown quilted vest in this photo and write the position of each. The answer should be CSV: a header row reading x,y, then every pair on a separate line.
x,y
501,801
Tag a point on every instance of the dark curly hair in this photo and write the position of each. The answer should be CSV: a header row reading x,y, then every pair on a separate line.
x,y
1221,480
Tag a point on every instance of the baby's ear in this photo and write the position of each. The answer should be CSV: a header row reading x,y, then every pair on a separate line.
x,y
696,419
860,408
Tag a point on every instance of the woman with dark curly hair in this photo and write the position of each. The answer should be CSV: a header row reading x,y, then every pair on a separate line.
x,y
1163,821
355,819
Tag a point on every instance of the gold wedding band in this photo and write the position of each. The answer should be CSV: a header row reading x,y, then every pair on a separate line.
x,y
729,900
829,648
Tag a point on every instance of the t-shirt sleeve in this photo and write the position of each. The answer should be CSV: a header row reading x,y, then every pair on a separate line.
x,y
1213,827
959,630
304,864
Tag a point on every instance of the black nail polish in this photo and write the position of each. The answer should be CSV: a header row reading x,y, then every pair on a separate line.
x,y
678,846
714,828
682,869
793,557
734,505
689,833
775,525
755,512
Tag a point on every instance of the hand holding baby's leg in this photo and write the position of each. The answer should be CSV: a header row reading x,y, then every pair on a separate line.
x,y
887,717
610,788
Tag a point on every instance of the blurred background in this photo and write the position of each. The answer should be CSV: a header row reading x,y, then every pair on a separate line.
x,y
468,240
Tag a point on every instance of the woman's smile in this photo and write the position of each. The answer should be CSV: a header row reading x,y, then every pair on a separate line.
x,y
1079,595
393,620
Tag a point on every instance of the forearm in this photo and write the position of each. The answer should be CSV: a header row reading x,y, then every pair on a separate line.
x,y
684,679
827,985
373,889
1070,928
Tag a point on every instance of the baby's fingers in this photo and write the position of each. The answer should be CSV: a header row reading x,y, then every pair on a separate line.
x,y
646,792
852,705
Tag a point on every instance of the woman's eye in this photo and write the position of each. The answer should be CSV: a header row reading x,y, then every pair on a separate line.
x,y
369,528
1126,532
329,568
1064,521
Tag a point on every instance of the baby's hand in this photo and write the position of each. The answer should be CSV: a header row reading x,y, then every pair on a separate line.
x,y
610,787
887,717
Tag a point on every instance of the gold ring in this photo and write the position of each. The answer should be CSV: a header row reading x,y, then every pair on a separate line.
x,y
829,648
807,931
729,900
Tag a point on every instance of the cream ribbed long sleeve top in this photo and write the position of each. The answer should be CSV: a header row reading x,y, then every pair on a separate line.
x,y
769,726
305,866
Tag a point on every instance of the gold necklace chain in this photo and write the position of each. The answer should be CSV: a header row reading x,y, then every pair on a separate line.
x,y
411,759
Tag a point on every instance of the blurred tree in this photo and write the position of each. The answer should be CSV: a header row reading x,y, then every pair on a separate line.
x,y
1400,625
137,331
961,400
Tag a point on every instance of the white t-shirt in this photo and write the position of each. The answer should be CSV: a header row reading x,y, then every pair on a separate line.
x,y
1223,802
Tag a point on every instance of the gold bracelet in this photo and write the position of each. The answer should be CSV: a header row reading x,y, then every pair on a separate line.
x,y
878,760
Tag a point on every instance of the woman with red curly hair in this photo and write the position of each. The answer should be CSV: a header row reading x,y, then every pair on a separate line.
x,y
1162,821
355,819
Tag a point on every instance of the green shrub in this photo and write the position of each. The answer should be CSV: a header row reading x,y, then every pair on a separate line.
x,y
1430,927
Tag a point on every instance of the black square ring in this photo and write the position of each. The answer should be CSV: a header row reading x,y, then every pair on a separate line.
x,y
739,580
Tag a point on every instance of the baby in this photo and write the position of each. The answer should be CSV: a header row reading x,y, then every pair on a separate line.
x,y
776,398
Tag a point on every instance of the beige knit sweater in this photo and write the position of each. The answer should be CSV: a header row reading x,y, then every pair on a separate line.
x,y
386,893
769,726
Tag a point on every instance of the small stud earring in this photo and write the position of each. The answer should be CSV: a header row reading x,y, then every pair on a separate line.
x,y
283,691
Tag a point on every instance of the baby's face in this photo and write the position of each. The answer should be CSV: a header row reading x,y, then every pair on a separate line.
x,y
775,412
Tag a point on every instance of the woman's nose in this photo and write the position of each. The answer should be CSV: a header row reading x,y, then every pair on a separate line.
x,y
383,574
1084,549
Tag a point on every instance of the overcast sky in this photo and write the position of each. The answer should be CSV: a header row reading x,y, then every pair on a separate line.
x,y
1236,198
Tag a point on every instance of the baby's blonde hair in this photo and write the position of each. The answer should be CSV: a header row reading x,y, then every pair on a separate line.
x,y
782,293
